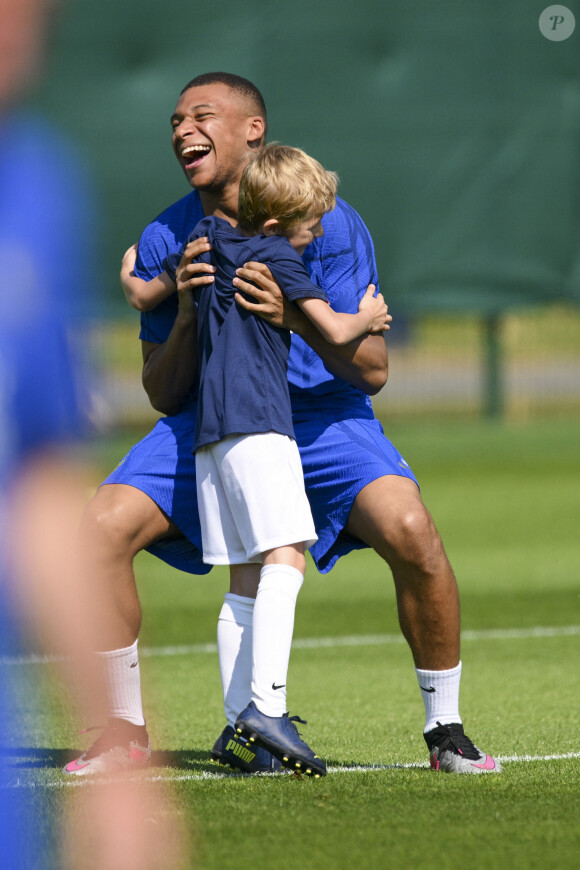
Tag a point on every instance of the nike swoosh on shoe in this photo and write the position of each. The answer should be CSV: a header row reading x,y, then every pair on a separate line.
x,y
489,764
73,766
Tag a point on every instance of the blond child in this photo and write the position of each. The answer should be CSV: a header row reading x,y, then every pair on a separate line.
x,y
252,502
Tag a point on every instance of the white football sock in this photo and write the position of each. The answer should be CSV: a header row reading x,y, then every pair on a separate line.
x,y
273,627
123,682
440,692
234,638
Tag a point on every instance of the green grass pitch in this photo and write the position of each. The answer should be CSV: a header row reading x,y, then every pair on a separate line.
x,y
506,499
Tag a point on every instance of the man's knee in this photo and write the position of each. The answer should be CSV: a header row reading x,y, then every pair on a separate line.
x,y
122,519
390,516
419,542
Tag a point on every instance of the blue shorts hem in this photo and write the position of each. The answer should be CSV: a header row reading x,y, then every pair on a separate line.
x,y
340,456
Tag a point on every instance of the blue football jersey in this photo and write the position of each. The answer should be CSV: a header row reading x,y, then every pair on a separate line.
x,y
342,445
341,263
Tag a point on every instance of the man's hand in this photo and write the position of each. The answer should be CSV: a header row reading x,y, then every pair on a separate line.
x,y
190,275
267,300
169,368
362,363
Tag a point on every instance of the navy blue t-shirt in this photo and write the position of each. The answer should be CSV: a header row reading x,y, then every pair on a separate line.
x,y
243,386
341,262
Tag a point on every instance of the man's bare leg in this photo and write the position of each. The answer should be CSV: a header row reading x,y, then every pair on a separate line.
x,y
390,516
118,522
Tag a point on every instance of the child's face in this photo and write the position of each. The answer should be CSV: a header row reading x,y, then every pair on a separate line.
x,y
302,234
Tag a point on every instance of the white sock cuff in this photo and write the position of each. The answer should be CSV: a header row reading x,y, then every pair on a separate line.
x,y
282,578
440,693
237,608
120,653
450,674
123,682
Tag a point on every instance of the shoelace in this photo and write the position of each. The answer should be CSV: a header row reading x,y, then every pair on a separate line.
x,y
453,736
295,719
100,743
106,741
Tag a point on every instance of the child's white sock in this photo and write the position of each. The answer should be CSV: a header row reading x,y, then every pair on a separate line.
x,y
123,682
440,691
273,625
234,638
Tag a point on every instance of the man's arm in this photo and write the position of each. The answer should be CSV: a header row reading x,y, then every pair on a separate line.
x,y
363,362
169,368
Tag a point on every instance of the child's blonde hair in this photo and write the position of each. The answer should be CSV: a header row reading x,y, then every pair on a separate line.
x,y
284,183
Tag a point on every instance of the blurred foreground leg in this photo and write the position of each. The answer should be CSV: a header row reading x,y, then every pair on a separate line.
x,y
125,824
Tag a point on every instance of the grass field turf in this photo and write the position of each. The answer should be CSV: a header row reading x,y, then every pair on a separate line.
x,y
506,501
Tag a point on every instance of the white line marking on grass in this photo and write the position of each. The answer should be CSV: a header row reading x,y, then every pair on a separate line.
x,y
522,633
79,781
562,757
538,631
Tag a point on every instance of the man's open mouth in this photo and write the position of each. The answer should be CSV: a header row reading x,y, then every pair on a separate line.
x,y
192,155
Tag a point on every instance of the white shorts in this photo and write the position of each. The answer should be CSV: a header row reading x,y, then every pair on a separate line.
x,y
250,491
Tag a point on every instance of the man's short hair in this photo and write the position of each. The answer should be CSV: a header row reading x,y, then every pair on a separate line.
x,y
240,85
284,183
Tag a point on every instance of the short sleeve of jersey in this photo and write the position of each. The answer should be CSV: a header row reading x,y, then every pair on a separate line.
x,y
290,272
342,263
203,228
162,238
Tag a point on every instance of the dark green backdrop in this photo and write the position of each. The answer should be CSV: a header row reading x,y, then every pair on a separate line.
x,y
454,126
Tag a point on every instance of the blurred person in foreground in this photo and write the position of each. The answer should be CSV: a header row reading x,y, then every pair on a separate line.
x,y
46,238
